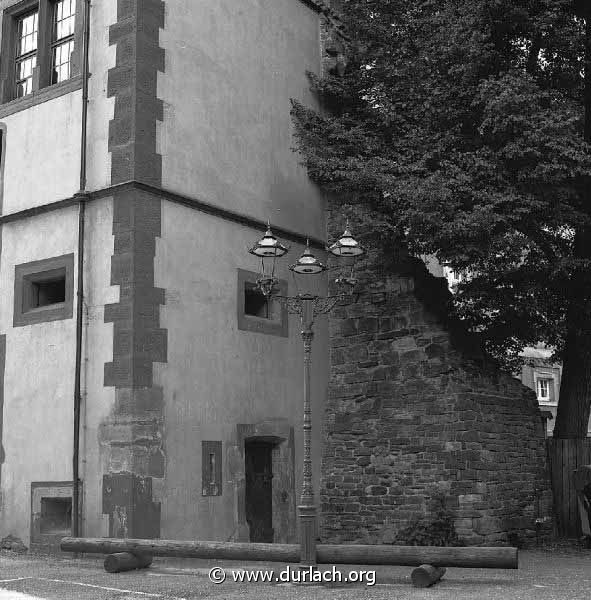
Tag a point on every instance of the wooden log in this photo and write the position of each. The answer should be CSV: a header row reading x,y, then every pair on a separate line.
x,y
408,556
215,550
126,561
469,557
426,575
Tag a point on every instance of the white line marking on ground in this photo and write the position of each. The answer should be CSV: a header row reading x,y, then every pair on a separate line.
x,y
10,595
16,579
99,587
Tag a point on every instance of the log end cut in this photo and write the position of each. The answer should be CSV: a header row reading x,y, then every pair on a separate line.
x,y
426,575
126,561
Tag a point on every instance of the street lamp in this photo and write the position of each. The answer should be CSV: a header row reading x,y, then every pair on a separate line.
x,y
307,306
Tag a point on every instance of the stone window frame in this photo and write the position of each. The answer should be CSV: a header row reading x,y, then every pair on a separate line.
x,y
273,326
47,489
43,89
27,273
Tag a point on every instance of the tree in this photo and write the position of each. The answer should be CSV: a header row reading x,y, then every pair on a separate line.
x,y
461,124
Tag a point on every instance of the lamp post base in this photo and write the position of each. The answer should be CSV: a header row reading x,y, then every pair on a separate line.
x,y
307,517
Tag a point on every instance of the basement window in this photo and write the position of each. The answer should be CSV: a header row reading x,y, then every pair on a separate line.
x,y
51,513
43,291
56,516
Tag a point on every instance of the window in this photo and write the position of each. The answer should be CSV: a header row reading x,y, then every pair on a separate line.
x,y
256,304
26,52
211,468
40,43
47,290
255,311
43,291
544,388
62,46
56,516
51,513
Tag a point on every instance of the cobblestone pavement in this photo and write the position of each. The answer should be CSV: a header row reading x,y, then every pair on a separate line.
x,y
557,574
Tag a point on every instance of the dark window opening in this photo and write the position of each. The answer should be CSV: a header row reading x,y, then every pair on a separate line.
x,y
56,515
46,293
256,303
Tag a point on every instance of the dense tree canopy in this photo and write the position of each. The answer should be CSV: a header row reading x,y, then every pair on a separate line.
x,y
462,124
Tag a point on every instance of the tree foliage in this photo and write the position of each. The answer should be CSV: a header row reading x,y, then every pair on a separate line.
x,y
460,123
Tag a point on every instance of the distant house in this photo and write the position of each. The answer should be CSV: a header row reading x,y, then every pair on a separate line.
x,y
543,376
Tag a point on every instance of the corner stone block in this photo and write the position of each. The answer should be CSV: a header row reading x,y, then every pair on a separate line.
x,y
127,499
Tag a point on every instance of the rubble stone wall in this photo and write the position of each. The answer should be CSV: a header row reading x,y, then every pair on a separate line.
x,y
416,410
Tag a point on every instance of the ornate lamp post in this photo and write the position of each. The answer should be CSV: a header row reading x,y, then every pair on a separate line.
x,y
307,306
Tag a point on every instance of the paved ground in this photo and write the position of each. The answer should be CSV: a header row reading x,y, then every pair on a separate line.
x,y
551,574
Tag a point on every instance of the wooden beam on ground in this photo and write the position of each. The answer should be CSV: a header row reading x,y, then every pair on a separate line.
x,y
289,553
126,561
409,556
470,557
426,575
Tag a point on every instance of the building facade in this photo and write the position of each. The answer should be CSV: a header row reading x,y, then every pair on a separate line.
x,y
126,283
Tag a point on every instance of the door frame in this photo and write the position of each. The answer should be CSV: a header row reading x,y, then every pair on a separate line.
x,y
280,433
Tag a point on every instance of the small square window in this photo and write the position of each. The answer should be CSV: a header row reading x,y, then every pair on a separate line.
x,y
51,513
43,291
258,313
56,516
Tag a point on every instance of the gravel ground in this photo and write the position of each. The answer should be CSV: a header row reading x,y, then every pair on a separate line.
x,y
556,573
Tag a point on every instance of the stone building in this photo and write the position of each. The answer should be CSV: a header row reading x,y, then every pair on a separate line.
x,y
146,389
139,211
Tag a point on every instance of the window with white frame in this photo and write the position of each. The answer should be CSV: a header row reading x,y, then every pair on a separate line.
x,y
27,33
41,43
544,387
62,44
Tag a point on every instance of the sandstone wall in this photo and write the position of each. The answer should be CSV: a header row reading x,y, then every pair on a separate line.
x,y
415,410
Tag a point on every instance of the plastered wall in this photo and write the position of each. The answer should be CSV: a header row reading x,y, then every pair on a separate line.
x,y
218,377
226,137
39,375
42,153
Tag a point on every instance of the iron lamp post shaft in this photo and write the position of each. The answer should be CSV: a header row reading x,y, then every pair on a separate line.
x,y
307,508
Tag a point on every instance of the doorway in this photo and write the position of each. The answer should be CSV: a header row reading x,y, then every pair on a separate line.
x,y
258,458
